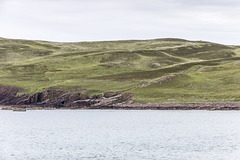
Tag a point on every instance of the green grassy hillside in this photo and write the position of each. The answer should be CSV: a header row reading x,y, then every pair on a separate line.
x,y
156,71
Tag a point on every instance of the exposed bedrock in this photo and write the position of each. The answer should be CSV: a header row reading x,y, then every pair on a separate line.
x,y
9,95
78,99
58,98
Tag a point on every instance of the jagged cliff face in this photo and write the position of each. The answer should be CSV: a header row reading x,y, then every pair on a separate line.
x,y
58,98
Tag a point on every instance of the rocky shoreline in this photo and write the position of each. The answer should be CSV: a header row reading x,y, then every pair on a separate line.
x,y
167,106
53,98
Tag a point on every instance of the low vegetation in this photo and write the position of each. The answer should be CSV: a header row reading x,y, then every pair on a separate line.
x,y
155,71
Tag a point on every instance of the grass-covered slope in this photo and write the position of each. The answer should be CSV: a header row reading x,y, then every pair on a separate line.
x,y
156,71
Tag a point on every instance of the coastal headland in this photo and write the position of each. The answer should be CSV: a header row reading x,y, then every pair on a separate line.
x,y
164,74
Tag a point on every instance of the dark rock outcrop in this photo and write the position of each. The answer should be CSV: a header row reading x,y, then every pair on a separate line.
x,y
78,99
9,95
59,98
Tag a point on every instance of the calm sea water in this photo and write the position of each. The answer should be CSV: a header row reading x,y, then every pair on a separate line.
x,y
114,134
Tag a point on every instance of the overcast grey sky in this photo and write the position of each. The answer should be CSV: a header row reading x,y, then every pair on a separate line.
x,y
91,20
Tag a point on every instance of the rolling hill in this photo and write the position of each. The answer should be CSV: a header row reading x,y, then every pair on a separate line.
x,y
153,71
